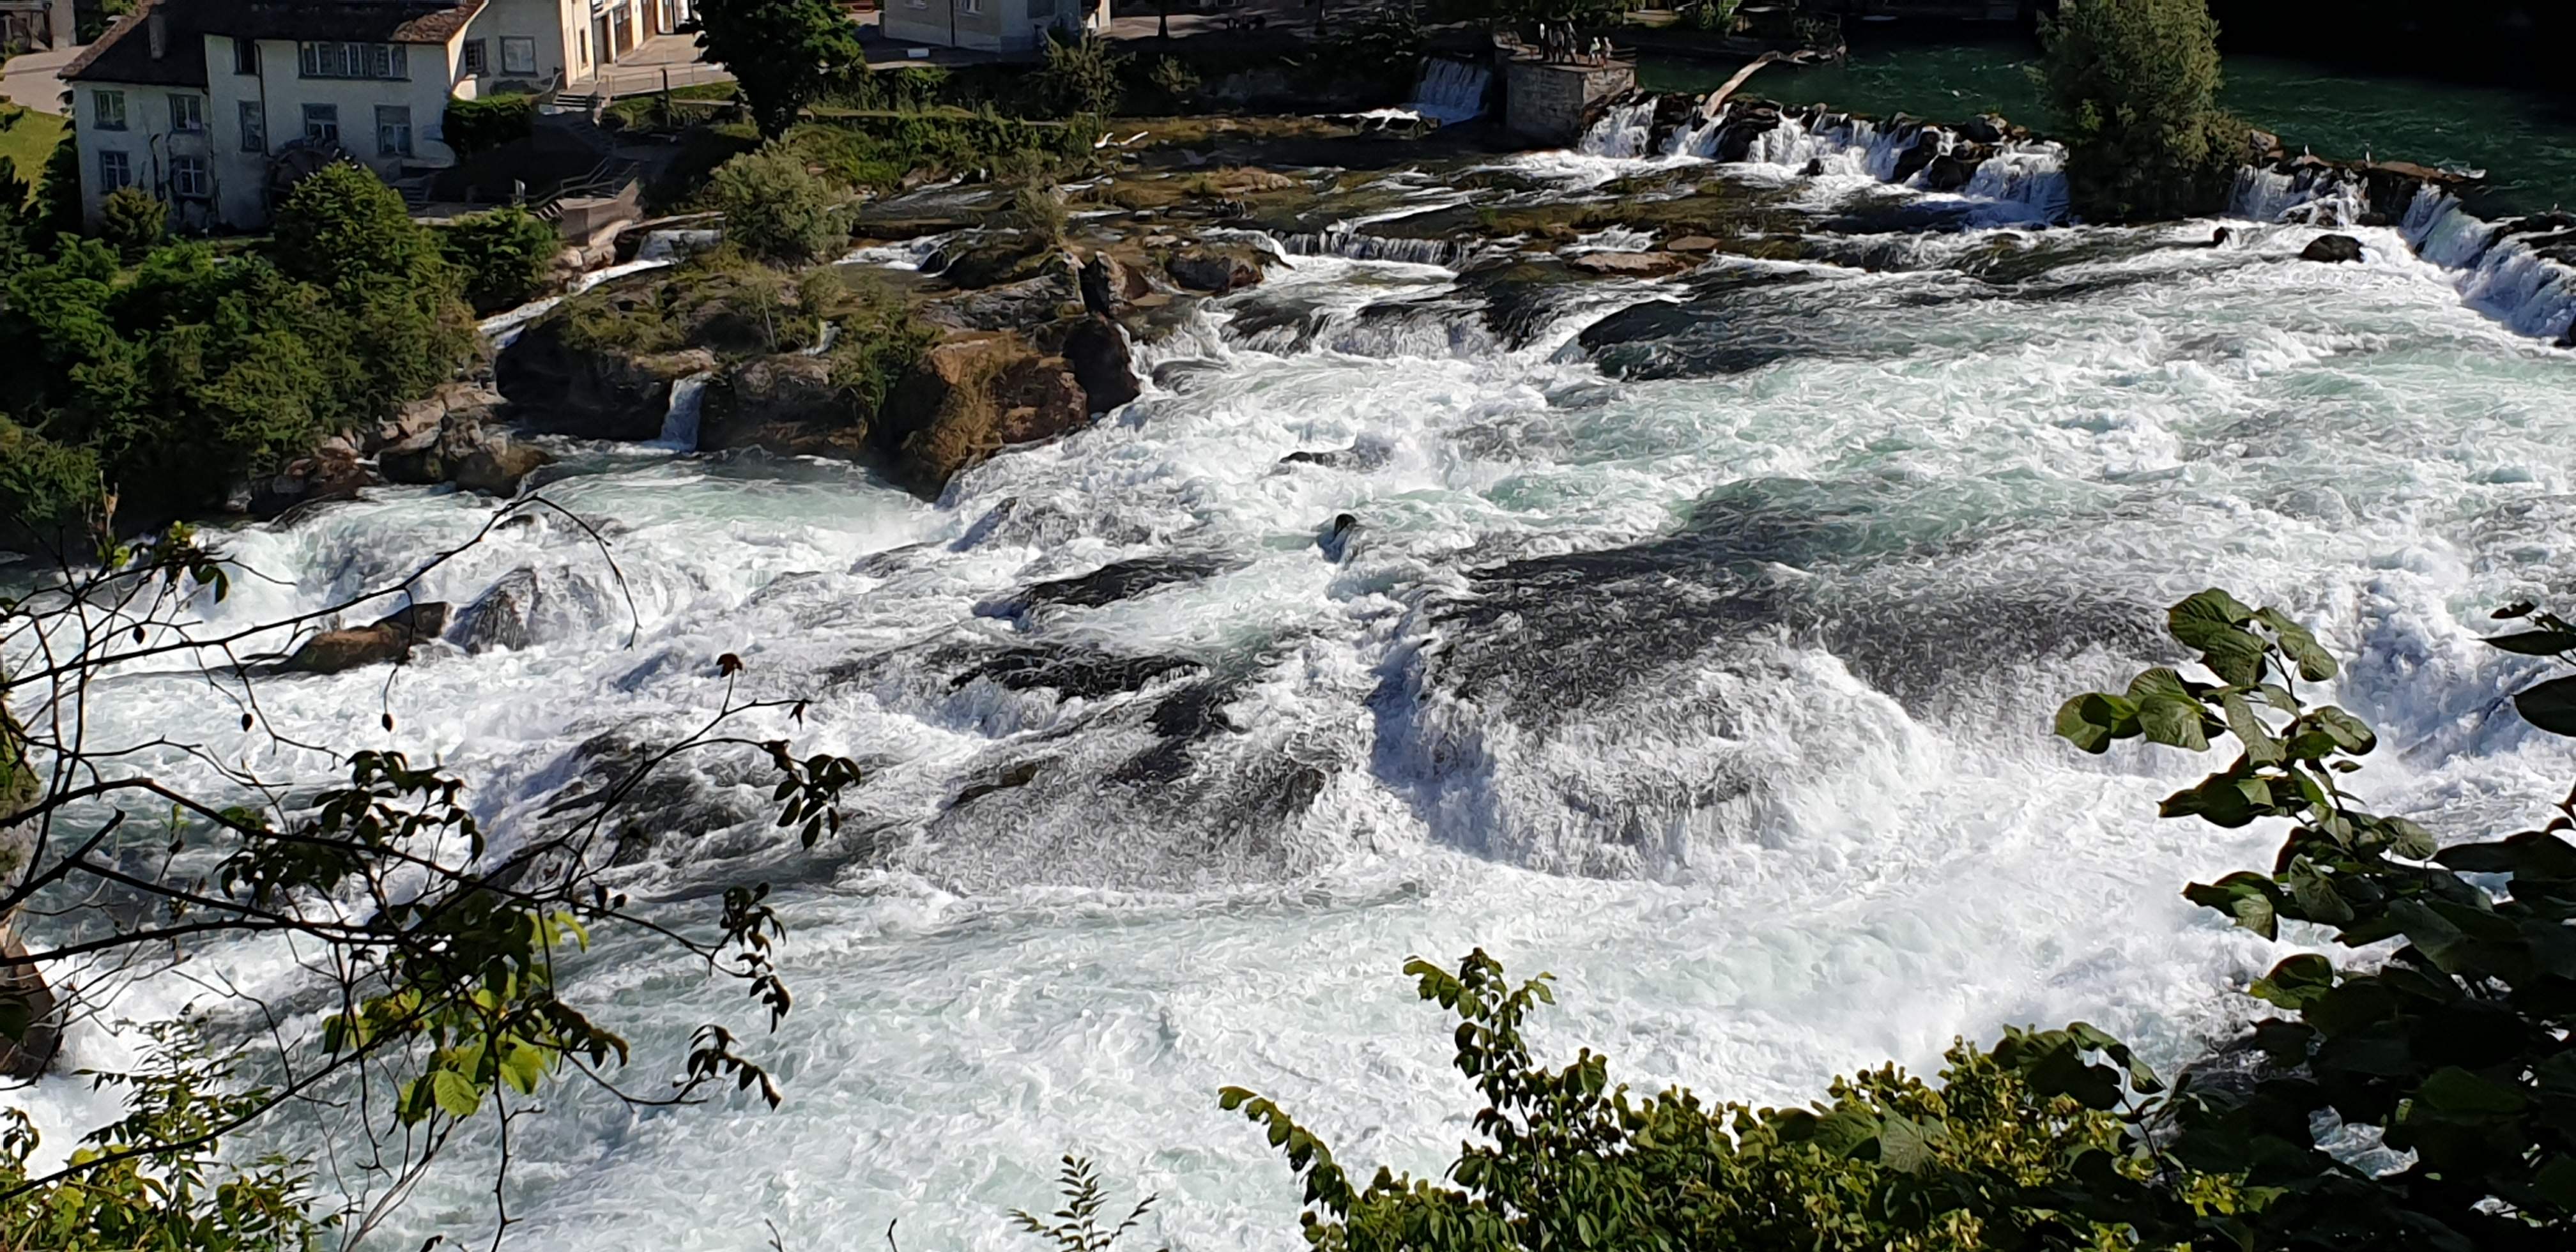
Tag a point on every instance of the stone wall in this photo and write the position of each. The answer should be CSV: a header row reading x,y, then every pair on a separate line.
x,y
1550,104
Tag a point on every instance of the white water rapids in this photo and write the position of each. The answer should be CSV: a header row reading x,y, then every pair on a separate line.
x,y
1711,671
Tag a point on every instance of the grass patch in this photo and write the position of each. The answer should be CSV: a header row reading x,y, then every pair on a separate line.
x,y
27,138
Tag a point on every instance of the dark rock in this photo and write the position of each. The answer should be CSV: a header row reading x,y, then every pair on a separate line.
x,y
1111,583
1009,307
504,616
1815,167
1927,145
462,452
2332,249
2567,339
591,393
28,1051
2218,238
786,404
1100,295
1949,171
1097,351
992,260
1987,128
333,473
1633,264
1214,270
391,639
2373,218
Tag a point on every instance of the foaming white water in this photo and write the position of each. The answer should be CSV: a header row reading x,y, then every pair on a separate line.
x,y
2317,196
1721,692
680,421
2502,275
1624,130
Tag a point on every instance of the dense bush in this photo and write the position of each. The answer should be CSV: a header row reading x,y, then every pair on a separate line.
x,y
2134,88
776,209
1080,77
471,126
720,300
784,54
178,377
879,341
506,256
45,488
132,221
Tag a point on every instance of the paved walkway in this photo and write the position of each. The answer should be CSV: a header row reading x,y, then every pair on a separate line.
x,y
29,79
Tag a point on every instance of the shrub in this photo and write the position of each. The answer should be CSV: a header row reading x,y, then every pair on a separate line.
x,y
133,221
44,487
2134,87
776,209
879,342
1080,77
1174,78
342,224
506,256
471,126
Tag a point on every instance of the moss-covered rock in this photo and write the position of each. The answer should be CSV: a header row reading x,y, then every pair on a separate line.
x,y
971,397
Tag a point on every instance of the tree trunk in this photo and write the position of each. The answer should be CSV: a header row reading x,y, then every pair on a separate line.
x,y
30,1032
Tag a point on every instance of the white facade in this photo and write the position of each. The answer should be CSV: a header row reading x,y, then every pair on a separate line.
x,y
210,154
1002,26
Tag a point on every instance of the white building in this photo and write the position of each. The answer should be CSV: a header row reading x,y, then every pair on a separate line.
x,y
208,103
1004,26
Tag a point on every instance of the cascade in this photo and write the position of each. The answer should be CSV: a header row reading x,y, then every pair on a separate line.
x,y
680,422
1352,245
2312,196
1626,130
2497,270
1450,91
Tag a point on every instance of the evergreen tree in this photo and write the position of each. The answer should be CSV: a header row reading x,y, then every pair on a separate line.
x,y
784,54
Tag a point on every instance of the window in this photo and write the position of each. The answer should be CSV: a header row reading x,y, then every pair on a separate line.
x,y
187,113
582,39
188,178
474,60
109,108
114,171
353,60
393,130
245,56
518,56
322,123
254,126
970,7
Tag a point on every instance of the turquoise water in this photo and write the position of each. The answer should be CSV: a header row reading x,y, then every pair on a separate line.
x,y
2526,144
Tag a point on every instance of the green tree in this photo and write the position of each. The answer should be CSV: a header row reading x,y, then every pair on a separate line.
x,y
133,221
506,256
45,488
58,191
2134,88
785,54
1081,77
776,209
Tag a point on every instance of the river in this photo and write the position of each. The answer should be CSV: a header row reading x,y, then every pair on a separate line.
x,y
1697,643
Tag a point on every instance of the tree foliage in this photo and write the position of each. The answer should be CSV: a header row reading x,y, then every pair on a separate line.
x,y
1081,77
785,54
505,256
133,221
485,123
2134,87
776,209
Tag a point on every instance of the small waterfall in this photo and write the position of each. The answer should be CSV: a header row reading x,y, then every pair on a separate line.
x,y
2499,272
672,245
680,423
1351,245
2315,197
503,328
1625,131
2031,175
1450,91
1843,145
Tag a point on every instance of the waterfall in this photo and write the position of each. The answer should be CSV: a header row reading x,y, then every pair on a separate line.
x,y
1450,91
2313,196
503,328
671,245
1351,245
1624,131
2032,175
2498,271
680,423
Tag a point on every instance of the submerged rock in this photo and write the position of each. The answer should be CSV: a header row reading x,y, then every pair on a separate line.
x,y
504,616
390,639
2332,249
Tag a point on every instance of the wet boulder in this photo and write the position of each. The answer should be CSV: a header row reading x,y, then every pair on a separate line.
x,y
1097,351
2332,249
504,616
462,451
333,472
990,260
561,384
786,404
1986,128
1631,264
1008,307
1214,270
1913,161
390,639
971,397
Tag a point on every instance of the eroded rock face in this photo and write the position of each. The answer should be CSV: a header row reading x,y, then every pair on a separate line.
x,y
1633,264
1097,351
462,451
785,404
1214,270
972,396
332,473
391,639
2332,249
593,393
504,616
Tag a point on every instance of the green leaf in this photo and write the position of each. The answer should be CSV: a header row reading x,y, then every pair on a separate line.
x,y
2534,854
2532,642
2550,706
2556,1181
2160,681
455,1093
1905,1145
2249,898
2260,747
2455,1090
2235,656
2315,663
2408,839
2203,617
523,1068
2296,981
2350,733
2314,894
2092,720
2172,722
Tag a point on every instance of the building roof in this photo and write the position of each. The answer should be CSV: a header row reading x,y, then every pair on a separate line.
x,y
124,53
